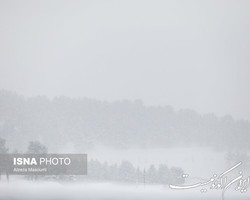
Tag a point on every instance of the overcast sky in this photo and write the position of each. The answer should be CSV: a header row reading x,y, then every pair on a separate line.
x,y
188,54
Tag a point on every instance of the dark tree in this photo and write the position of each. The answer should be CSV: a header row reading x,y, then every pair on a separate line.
x,y
35,147
3,148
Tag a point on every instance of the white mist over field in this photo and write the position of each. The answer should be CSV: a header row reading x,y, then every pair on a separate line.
x,y
21,190
196,161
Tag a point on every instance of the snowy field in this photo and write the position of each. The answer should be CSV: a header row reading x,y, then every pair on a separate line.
x,y
21,190
197,162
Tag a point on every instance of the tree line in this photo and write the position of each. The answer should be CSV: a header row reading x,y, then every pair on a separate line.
x,y
125,172
86,123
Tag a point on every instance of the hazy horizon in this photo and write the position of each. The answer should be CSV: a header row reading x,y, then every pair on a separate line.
x,y
187,54
154,92
176,109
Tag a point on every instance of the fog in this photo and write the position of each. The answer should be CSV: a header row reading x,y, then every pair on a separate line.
x,y
26,190
149,90
197,162
131,147
188,54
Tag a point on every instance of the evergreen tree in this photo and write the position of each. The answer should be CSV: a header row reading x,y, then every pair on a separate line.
x,y
164,174
177,175
3,148
35,147
151,175
127,172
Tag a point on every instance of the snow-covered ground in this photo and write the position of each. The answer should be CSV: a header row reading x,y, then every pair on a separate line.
x,y
197,162
23,190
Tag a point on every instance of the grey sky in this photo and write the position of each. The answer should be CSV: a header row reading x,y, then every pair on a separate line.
x,y
188,54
